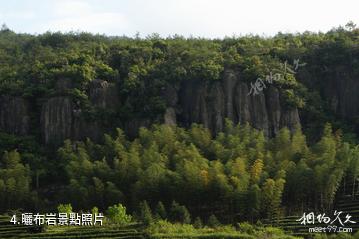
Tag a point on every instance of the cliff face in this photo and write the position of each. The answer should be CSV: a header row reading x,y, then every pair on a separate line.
x,y
341,92
57,119
62,117
14,115
211,104
335,96
208,103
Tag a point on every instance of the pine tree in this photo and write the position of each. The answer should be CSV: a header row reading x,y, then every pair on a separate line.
x,y
213,221
161,211
145,213
179,213
198,223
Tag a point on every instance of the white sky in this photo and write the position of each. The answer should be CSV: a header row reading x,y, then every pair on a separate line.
x,y
204,18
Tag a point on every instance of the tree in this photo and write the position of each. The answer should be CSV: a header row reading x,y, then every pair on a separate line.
x,y
299,144
272,196
198,223
16,180
145,213
64,208
112,193
4,28
256,170
350,25
325,153
268,204
213,221
238,169
354,168
253,202
179,213
94,211
161,211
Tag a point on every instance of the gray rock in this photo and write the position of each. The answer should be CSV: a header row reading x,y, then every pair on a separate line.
x,y
242,103
170,95
14,115
207,103
290,119
170,116
259,117
230,79
216,108
211,103
274,110
103,94
57,119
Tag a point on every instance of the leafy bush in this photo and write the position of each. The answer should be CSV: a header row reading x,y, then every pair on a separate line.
x,y
163,226
94,210
117,214
64,208
165,229
246,227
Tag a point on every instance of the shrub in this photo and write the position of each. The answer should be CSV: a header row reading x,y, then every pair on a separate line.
x,y
245,227
117,214
94,210
356,235
320,236
341,236
64,208
269,232
165,227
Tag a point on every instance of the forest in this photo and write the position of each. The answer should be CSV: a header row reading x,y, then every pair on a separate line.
x,y
236,174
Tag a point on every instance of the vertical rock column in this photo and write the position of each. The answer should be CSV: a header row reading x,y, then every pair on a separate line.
x,y
14,115
57,120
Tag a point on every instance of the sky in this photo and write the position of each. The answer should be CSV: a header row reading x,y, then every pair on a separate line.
x,y
197,18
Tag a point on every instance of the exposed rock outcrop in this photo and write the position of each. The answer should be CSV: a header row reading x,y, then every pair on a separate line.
x,y
57,119
341,91
103,94
14,115
338,88
61,118
170,116
211,103
207,103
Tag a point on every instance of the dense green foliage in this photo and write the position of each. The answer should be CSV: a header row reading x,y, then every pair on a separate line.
x,y
32,65
14,181
171,173
237,174
64,208
117,214
164,229
160,229
145,213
